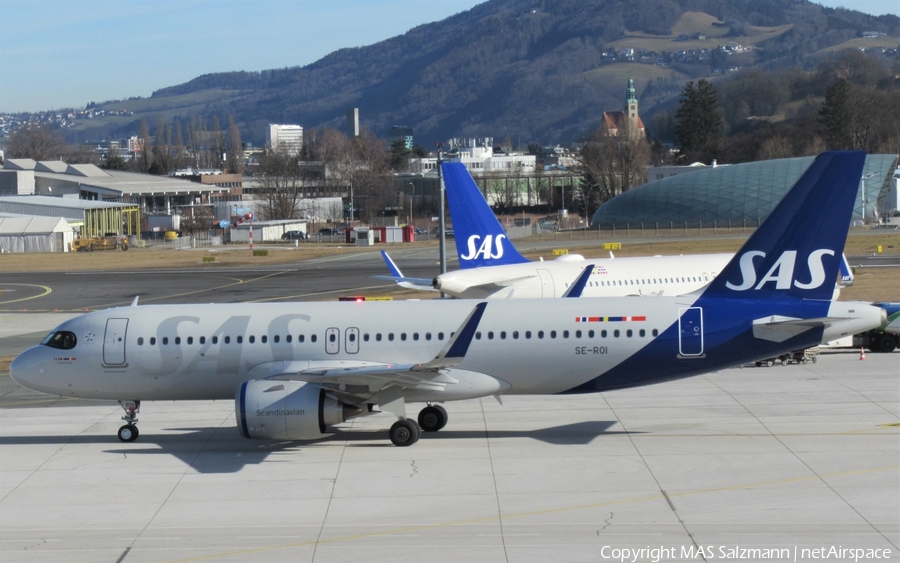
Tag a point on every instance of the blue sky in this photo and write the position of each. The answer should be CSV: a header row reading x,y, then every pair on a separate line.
x,y
65,53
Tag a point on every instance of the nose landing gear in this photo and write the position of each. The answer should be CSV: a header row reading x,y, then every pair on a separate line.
x,y
129,432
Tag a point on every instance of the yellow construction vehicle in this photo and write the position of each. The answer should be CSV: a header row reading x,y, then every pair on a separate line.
x,y
109,242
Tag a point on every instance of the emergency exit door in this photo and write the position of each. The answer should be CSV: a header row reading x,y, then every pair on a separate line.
x,y
332,341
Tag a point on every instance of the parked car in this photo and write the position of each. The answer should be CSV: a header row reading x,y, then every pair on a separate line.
x,y
293,235
421,231
329,232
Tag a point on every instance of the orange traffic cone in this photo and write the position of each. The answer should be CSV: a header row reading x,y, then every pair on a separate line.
x,y
862,353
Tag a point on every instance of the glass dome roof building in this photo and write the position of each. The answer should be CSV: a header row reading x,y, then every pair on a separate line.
x,y
739,195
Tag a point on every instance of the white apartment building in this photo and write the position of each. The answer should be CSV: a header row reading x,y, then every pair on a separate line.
x,y
289,137
479,157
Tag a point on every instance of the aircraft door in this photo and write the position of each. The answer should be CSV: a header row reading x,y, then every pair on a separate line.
x,y
546,283
351,340
114,342
332,340
690,334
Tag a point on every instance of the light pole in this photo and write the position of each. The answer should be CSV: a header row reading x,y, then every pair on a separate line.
x,y
864,178
442,226
412,196
351,206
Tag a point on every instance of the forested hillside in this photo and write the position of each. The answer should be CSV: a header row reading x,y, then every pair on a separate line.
x,y
526,70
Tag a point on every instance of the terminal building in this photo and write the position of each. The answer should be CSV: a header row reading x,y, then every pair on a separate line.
x,y
737,195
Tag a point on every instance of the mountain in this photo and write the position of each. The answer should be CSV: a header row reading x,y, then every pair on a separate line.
x,y
527,70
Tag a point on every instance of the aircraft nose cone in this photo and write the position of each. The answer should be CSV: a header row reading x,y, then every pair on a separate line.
x,y
25,367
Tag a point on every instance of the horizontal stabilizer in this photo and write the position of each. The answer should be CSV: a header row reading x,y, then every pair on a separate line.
x,y
421,284
778,329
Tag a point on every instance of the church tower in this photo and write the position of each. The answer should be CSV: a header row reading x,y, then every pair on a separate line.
x,y
617,122
631,103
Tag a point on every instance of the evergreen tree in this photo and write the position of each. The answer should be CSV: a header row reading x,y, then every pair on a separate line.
x,y
399,155
836,116
698,123
591,195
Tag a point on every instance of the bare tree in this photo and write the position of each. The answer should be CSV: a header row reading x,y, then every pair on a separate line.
x,y
37,142
235,160
613,164
281,185
162,150
145,154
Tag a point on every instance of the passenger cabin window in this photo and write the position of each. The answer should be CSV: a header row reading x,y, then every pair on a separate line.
x,y
62,340
177,340
152,341
141,341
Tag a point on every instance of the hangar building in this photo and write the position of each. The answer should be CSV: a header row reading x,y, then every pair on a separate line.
x,y
738,195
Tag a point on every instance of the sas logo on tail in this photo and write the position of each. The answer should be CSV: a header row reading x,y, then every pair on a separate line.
x,y
486,250
782,271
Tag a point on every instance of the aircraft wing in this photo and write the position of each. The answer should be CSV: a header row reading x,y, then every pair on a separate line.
x,y
363,379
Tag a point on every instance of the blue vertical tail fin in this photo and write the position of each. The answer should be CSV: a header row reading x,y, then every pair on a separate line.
x,y
797,251
480,239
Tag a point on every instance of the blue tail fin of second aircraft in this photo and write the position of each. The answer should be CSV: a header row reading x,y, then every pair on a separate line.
x,y
797,250
480,239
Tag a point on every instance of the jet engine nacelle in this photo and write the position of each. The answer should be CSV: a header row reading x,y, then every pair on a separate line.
x,y
287,410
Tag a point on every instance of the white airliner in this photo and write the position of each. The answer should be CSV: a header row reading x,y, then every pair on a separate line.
x,y
491,267
297,369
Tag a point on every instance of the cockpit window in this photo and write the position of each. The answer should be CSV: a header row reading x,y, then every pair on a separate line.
x,y
63,340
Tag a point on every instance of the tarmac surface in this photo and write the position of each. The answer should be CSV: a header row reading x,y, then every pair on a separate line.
x,y
761,464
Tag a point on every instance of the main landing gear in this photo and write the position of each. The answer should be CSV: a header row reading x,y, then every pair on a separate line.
x,y
405,432
432,418
129,432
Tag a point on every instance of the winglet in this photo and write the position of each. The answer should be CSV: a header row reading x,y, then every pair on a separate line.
x,y
134,303
455,350
576,288
480,238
